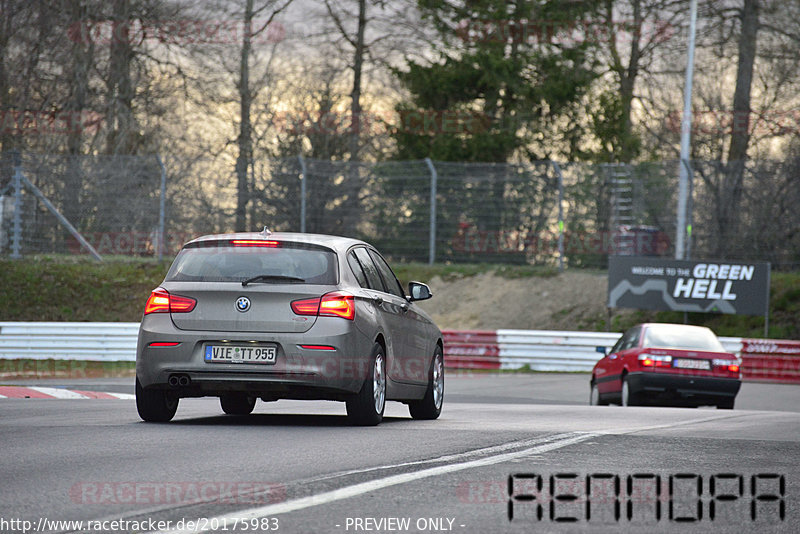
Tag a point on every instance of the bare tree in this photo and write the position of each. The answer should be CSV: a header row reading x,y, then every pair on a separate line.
x,y
246,91
636,34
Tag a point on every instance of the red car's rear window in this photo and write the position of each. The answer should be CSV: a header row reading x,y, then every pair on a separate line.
x,y
681,337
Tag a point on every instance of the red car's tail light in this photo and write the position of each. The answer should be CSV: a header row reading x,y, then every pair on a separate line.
x,y
651,360
331,305
732,366
254,243
161,301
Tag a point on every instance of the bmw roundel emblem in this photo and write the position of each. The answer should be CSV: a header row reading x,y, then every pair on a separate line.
x,y
243,304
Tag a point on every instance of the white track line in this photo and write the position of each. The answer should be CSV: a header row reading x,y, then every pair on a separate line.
x,y
447,458
374,485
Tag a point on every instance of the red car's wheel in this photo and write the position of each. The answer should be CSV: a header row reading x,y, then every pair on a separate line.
x,y
628,397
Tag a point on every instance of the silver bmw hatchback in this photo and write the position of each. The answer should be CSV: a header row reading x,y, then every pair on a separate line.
x,y
287,316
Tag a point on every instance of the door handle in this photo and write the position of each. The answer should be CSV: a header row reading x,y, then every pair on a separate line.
x,y
404,307
377,300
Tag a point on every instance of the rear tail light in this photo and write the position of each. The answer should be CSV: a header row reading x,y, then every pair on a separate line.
x,y
732,366
338,305
331,305
652,360
161,301
306,306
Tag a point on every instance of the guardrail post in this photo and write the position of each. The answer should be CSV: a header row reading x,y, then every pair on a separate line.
x,y
432,228
560,176
162,209
303,177
16,243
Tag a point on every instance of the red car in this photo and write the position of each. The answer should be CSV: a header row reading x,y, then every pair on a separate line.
x,y
668,364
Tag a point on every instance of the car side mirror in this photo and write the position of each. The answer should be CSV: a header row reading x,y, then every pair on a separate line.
x,y
601,350
418,291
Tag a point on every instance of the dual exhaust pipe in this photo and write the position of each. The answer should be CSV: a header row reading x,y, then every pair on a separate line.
x,y
177,380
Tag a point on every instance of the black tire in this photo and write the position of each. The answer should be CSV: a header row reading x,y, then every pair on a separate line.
x,y
594,397
365,408
431,404
155,405
237,403
629,398
726,405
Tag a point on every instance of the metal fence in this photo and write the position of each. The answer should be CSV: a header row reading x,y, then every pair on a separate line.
x,y
547,213
60,204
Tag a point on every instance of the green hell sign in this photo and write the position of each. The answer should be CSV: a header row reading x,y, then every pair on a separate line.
x,y
731,287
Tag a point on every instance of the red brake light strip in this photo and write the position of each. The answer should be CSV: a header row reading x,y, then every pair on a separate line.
x,y
254,243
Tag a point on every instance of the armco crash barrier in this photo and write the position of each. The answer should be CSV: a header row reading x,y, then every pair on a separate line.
x,y
771,360
471,350
762,359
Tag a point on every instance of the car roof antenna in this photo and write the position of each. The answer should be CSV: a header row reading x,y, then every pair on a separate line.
x,y
266,231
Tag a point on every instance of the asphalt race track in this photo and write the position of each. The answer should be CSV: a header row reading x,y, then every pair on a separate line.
x,y
510,453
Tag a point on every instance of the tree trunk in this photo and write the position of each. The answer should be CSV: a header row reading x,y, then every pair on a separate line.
x,y
732,186
350,213
122,130
627,83
245,140
355,94
81,57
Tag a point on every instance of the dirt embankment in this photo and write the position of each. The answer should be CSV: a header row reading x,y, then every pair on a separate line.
x,y
569,301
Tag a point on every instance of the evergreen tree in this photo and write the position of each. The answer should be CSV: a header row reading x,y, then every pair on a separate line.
x,y
503,75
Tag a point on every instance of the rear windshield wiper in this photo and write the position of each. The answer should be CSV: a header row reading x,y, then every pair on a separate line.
x,y
272,278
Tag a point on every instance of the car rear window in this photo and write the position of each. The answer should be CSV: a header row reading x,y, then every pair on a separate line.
x,y
681,337
224,262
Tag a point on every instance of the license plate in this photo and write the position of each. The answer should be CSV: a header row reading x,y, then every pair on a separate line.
x,y
692,364
241,354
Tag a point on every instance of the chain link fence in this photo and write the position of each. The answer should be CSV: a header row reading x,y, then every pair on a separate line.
x,y
544,213
110,201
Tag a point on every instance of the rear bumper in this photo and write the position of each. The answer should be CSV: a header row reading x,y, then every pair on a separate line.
x,y
297,372
693,389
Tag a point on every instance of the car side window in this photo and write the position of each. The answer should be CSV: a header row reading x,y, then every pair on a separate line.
x,y
631,339
628,340
371,272
389,279
634,342
355,266
618,345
